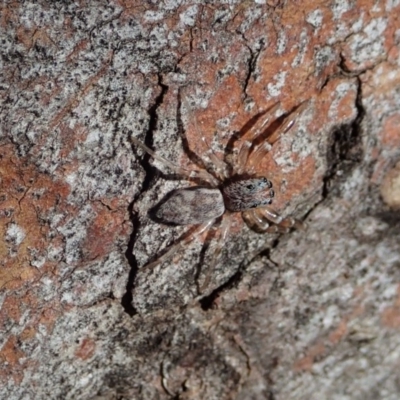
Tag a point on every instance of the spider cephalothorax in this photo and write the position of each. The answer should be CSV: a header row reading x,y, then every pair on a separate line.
x,y
246,193
225,190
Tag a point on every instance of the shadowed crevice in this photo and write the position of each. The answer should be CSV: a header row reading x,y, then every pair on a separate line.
x,y
207,302
252,62
150,174
345,150
126,300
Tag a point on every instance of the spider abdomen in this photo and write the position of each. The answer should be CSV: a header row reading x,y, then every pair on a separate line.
x,y
246,193
190,206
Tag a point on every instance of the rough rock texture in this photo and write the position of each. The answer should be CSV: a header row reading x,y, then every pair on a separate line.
x,y
311,314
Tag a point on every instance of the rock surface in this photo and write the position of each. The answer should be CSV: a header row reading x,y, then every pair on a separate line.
x,y
310,314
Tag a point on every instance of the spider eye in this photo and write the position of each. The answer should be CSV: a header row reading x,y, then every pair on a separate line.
x,y
250,187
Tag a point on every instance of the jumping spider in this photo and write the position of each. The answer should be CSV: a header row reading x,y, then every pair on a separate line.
x,y
231,187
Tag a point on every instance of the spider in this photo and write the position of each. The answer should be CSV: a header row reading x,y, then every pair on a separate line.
x,y
229,188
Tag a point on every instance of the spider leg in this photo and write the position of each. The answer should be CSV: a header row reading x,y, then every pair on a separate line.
x,y
254,221
257,129
171,250
226,224
266,214
293,223
195,173
219,165
260,151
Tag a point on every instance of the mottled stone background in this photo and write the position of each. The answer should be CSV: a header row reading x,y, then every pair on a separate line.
x,y
311,314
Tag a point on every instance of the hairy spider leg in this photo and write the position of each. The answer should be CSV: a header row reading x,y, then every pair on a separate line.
x,y
265,214
247,141
224,229
220,165
254,220
268,213
256,156
171,250
260,151
194,173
